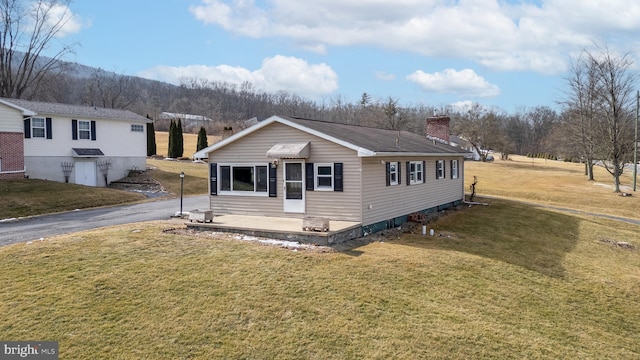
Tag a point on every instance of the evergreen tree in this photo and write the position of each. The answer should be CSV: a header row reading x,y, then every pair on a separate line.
x,y
179,140
171,152
202,139
151,140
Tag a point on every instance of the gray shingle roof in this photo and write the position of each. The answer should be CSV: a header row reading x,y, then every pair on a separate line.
x,y
92,112
378,140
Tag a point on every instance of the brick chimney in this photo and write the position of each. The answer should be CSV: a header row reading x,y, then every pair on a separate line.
x,y
438,127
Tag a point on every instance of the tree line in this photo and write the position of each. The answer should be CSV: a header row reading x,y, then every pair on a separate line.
x,y
594,121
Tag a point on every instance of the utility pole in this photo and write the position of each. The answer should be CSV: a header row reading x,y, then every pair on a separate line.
x,y
635,142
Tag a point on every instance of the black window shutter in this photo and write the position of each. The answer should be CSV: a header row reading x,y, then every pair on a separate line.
x,y
444,169
93,130
424,172
388,170
408,172
27,128
399,168
273,181
213,179
437,164
74,129
309,176
337,177
48,126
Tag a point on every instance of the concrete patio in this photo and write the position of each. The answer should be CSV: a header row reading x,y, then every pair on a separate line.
x,y
280,228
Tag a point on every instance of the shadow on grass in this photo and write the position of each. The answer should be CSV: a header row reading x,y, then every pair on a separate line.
x,y
510,232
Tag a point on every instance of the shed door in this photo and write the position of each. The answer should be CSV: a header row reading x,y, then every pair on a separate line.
x,y
294,187
86,173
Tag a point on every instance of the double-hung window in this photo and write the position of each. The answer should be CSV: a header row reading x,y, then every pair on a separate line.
x,y
38,129
454,169
416,172
324,177
394,167
84,130
440,171
244,179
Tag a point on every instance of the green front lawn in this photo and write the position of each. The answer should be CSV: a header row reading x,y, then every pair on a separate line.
x,y
504,281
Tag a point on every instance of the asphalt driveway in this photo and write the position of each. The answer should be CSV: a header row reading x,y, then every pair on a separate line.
x,y
32,228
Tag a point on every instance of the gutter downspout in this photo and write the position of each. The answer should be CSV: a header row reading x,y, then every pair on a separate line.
x,y
14,171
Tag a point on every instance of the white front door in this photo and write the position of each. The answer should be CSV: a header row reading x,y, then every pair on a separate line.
x,y
86,173
293,187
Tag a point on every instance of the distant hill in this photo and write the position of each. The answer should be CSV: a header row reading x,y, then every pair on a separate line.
x,y
227,105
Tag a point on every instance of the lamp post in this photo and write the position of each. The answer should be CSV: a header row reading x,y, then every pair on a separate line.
x,y
181,181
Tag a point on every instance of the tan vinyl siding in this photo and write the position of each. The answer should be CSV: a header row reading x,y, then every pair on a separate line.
x,y
381,202
252,149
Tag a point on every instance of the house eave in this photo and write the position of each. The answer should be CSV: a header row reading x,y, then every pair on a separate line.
x,y
25,112
407,154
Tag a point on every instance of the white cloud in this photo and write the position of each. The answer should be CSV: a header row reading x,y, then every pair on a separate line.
x,y
463,83
276,73
61,16
529,35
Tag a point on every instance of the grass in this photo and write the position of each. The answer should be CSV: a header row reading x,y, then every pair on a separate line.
x,y
504,281
553,182
167,172
136,292
28,197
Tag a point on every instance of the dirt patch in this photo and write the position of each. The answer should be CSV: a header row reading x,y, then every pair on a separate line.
x,y
139,181
619,244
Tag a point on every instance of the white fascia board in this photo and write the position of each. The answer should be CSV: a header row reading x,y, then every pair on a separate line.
x,y
25,112
362,152
410,154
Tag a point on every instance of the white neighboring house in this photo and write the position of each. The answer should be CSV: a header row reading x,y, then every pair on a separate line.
x,y
78,144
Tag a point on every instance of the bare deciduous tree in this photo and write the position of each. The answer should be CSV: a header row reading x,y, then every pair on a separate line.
x,y
483,129
26,32
615,101
393,118
580,117
110,90
599,109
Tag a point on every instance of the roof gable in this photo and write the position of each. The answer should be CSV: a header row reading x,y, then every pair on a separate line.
x,y
366,141
25,112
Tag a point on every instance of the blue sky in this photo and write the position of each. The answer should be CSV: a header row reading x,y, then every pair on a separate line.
x,y
510,54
